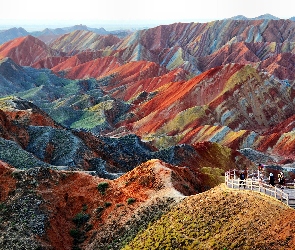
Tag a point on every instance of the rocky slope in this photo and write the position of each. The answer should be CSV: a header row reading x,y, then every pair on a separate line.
x,y
195,47
39,141
53,209
237,99
26,50
83,40
234,104
74,69
49,209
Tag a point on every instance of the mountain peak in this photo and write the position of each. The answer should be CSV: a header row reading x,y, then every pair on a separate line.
x,y
37,49
80,27
238,17
267,16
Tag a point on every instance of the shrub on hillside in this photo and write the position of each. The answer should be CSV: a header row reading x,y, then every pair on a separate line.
x,y
102,187
80,219
130,200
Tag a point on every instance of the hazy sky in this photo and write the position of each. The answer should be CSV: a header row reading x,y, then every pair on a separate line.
x,y
120,12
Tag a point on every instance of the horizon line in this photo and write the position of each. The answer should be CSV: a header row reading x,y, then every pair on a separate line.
x,y
30,25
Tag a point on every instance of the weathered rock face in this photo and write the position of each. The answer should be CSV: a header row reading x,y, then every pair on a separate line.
x,y
154,98
26,51
83,40
94,68
194,47
30,138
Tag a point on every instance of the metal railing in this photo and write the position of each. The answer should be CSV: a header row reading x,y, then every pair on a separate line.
x,y
232,181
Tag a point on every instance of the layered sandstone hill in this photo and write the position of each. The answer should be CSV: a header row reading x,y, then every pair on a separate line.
x,y
26,50
234,105
199,46
30,138
83,40
194,47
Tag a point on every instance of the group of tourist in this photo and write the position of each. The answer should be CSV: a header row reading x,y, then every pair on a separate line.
x,y
281,179
271,178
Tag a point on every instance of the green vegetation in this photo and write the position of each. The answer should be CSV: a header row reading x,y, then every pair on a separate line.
x,y
82,227
89,120
85,207
214,176
99,211
130,200
2,207
107,204
75,232
80,219
102,187
29,94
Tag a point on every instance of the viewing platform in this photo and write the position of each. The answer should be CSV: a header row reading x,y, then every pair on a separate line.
x,y
285,194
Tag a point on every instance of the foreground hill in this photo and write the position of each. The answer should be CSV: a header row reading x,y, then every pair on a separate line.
x,y
145,208
46,208
221,219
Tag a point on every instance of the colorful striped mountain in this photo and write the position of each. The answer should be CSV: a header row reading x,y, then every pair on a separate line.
x,y
101,135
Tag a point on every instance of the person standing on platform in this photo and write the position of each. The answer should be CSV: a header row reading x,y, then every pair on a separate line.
x,y
271,179
242,179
